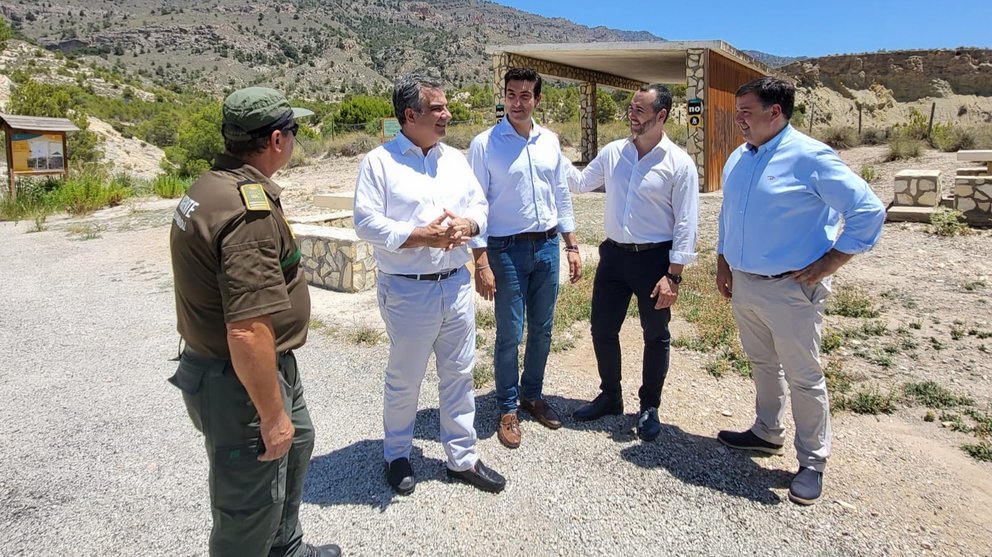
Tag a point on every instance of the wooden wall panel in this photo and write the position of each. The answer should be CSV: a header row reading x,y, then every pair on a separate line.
x,y
723,77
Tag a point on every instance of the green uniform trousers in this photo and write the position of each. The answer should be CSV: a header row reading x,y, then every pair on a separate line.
x,y
255,504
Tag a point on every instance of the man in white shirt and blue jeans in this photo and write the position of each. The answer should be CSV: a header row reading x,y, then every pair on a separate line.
x,y
652,205
522,173
417,202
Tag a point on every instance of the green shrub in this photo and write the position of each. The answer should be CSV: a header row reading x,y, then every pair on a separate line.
x,y
948,222
361,109
198,142
351,144
852,302
170,186
979,451
950,138
839,137
88,191
460,135
874,136
932,395
867,401
903,147
869,173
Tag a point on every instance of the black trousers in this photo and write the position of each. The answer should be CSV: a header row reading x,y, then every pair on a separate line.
x,y
619,275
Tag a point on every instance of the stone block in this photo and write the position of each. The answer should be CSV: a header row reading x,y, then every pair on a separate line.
x,y
973,197
339,201
330,260
973,171
917,188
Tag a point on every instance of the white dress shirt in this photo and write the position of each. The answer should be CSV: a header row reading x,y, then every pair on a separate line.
x,y
654,199
399,188
523,179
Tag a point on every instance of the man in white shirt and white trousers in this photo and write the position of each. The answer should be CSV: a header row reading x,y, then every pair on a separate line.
x,y
652,206
418,202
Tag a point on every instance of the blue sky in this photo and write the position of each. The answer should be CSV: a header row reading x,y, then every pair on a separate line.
x,y
797,28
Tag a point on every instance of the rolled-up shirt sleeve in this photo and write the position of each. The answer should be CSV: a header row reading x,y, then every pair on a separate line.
x,y
563,199
685,207
476,206
845,192
371,222
477,160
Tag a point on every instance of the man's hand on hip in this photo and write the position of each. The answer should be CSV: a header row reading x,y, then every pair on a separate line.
x,y
822,267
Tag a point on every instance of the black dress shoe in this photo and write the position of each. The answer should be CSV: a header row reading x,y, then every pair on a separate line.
x,y
481,476
329,550
602,405
399,474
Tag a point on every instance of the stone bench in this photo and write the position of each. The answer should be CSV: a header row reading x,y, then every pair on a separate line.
x,y
973,197
973,171
338,201
917,188
982,156
334,257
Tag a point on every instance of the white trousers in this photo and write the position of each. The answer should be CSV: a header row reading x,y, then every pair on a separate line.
x,y
422,317
781,325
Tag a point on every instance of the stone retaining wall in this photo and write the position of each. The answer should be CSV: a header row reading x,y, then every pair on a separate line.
x,y
334,258
973,197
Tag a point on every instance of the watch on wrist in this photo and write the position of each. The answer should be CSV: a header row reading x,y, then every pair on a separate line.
x,y
473,228
676,279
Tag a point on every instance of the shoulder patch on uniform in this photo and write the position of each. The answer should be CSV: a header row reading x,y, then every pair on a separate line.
x,y
254,195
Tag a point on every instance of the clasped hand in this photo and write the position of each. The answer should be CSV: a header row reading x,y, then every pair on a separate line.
x,y
448,231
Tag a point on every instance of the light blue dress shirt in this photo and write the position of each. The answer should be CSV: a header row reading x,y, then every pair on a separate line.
x,y
523,179
783,203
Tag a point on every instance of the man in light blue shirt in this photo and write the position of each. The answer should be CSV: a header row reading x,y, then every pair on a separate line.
x,y
792,214
520,167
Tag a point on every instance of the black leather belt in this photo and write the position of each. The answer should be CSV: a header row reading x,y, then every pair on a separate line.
x,y
778,276
533,236
638,247
432,276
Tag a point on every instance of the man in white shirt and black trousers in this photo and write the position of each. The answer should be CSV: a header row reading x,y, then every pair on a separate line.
x,y
652,205
418,203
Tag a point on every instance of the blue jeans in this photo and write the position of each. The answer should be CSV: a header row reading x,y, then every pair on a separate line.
x,y
526,273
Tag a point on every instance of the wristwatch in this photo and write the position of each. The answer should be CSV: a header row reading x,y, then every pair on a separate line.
x,y
473,228
676,279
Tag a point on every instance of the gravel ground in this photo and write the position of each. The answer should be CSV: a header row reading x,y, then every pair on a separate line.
x,y
99,457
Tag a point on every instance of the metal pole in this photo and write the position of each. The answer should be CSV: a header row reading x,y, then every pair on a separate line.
x,y
933,107
860,107
812,110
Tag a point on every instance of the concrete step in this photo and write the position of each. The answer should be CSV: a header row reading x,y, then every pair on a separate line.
x,y
339,201
899,213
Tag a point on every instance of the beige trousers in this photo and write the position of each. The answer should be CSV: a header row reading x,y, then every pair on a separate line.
x,y
781,324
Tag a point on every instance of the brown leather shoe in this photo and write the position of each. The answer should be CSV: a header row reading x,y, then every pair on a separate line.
x,y
509,430
542,412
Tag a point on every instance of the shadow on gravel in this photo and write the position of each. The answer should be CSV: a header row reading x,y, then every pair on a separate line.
x,y
354,475
693,459
705,462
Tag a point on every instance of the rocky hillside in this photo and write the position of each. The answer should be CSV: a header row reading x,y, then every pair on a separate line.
x,y
311,48
909,75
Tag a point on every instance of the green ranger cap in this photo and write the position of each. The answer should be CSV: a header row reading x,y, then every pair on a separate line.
x,y
256,111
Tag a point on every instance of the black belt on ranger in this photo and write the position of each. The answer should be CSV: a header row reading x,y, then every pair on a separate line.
x,y
432,276
639,247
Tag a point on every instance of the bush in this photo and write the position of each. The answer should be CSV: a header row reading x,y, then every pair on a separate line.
x,y
874,136
88,191
839,137
950,138
460,135
362,109
170,186
351,144
198,142
869,173
903,147
948,222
